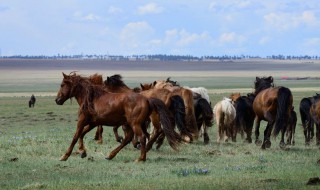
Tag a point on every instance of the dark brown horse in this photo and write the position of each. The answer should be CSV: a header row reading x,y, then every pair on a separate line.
x,y
291,130
315,114
306,119
32,101
274,105
99,107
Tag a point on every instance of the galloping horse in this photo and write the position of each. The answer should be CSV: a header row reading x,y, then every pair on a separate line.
x,y
202,108
173,102
306,119
274,105
99,107
244,114
225,113
315,114
32,101
187,96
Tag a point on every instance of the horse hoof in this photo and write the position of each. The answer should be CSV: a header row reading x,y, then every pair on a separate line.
x,y
267,143
83,154
258,142
108,158
119,140
282,145
64,158
139,160
99,141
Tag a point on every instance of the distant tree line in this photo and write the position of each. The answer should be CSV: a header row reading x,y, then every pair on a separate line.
x,y
163,57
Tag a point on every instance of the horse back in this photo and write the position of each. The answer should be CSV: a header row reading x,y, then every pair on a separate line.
x,y
265,101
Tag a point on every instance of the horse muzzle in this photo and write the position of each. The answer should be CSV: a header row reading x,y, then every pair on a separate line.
x,y
59,101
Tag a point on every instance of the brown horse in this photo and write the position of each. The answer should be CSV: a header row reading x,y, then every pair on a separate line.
x,y
99,107
291,130
315,114
187,97
274,105
173,102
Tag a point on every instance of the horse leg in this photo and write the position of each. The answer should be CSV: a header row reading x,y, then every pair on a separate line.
x,y
156,131
267,133
80,126
305,126
249,131
82,149
128,135
160,140
116,134
98,135
257,133
282,144
318,134
206,138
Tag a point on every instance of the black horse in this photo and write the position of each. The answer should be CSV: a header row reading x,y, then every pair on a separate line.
x,y
32,101
244,114
306,119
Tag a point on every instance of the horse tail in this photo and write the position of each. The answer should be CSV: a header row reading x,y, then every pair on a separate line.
x,y
304,109
283,109
190,115
178,108
167,122
206,111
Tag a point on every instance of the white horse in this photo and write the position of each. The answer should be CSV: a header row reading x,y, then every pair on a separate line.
x,y
225,114
200,90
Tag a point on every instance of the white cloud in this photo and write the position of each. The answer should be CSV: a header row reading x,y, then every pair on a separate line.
x,y
285,21
114,10
87,18
187,38
227,5
231,37
264,40
312,42
136,34
151,8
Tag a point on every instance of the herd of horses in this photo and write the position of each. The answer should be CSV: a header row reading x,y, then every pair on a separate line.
x,y
166,104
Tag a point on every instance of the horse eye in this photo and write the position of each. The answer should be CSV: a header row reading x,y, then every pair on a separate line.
x,y
61,85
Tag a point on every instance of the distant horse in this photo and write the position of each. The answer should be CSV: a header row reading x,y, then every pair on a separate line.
x,y
291,127
306,119
225,114
32,101
315,114
244,114
187,97
99,107
274,105
173,102
203,109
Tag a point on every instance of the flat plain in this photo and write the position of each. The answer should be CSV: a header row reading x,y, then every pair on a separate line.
x,y
33,139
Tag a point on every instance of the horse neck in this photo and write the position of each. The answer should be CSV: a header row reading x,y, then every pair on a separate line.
x,y
79,93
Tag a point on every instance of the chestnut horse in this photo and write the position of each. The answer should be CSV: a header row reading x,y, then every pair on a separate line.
x,y
306,119
315,114
173,102
99,107
225,114
203,110
244,114
187,97
274,105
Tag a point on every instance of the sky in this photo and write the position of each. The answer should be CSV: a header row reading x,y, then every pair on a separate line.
x,y
175,27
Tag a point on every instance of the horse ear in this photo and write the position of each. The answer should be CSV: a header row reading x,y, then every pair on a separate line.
x,y
142,87
64,75
154,83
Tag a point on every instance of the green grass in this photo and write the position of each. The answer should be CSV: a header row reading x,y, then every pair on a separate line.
x,y
32,141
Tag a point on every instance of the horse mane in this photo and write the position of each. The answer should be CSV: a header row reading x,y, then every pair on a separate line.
x,y
92,91
96,79
174,83
263,83
115,81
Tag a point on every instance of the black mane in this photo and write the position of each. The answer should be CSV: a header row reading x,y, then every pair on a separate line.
x,y
262,83
115,80
174,83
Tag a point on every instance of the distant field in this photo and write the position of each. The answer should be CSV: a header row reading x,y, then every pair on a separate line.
x,y
32,140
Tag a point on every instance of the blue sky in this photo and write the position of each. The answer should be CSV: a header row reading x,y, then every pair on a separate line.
x,y
127,27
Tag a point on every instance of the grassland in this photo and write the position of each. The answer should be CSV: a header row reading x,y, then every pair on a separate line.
x,y
32,141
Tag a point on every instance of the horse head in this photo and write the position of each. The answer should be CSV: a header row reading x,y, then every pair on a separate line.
x,y
66,88
263,83
234,96
146,86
